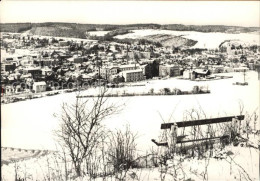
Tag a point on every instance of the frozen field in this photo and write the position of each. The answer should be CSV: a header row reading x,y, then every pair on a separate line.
x,y
30,124
209,40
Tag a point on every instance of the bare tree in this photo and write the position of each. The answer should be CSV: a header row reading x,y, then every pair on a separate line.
x,y
81,129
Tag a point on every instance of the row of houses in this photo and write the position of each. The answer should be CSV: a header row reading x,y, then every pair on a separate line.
x,y
37,87
193,74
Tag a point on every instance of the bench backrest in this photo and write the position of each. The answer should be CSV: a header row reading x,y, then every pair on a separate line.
x,y
202,122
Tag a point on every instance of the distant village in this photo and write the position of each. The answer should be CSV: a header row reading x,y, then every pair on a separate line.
x,y
34,64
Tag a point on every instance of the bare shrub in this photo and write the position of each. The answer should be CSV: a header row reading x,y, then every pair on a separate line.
x,y
151,91
195,89
176,91
122,151
165,91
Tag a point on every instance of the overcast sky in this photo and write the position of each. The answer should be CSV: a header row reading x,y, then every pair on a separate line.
x,y
115,12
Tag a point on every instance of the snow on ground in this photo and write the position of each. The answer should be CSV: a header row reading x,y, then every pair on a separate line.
x,y
30,124
233,163
98,33
217,169
10,155
64,38
209,40
35,168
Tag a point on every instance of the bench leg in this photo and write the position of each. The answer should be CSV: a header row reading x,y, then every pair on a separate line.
x,y
234,129
173,139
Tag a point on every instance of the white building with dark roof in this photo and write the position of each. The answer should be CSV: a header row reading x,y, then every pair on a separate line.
x,y
39,86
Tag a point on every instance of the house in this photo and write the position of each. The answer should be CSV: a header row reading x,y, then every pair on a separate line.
x,y
169,70
46,71
63,43
251,66
228,69
187,74
133,75
8,67
197,73
34,57
217,69
146,55
39,87
60,55
105,72
93,75
8,90
26,61
35,71
241,69
48,62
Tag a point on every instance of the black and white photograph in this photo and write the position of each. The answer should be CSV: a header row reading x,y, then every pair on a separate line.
x,y
130,90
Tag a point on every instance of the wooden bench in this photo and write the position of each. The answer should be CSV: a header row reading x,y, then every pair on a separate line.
x,y
175,139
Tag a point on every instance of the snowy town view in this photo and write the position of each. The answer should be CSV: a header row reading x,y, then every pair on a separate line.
x,y
145,101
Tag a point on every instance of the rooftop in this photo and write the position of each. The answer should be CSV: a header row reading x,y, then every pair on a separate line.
x,y
132,71
128,65
39,83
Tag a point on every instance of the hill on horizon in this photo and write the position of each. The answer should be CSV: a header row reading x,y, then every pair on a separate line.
x,y
75,30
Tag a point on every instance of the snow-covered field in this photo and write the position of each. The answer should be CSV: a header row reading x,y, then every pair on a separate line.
x,y
98,33
205,40
30,124
48,37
